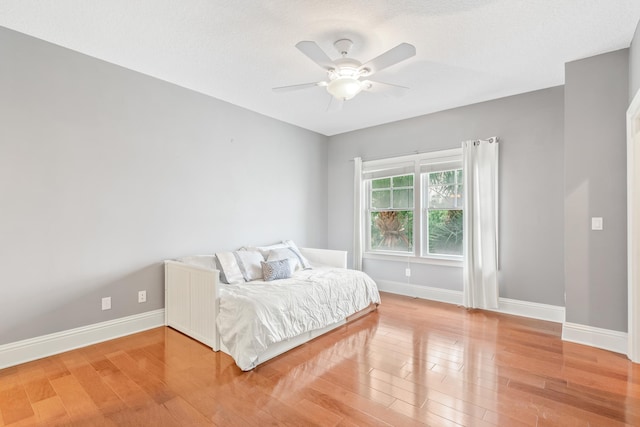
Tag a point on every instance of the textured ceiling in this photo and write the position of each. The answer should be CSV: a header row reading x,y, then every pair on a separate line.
x,y
237,50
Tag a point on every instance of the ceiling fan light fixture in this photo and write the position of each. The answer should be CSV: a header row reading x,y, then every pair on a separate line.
x,y
344,88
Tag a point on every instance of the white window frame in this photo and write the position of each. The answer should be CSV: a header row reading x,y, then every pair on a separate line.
x,y
425,209
416,164
369,209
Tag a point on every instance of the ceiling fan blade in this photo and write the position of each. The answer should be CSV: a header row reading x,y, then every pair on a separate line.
x,y
335,104
384,88
317,55
392,56
297,87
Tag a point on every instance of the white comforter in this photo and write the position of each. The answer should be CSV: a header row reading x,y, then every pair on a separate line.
x,y
257,314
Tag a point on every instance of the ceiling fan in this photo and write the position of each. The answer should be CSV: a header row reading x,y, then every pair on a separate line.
x,y
347,76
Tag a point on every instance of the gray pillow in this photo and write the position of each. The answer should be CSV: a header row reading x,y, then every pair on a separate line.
x,y
274,270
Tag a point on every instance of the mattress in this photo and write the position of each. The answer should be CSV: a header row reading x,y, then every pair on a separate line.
x,y
257,314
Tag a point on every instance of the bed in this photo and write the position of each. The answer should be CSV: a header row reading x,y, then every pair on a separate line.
x,y
257,320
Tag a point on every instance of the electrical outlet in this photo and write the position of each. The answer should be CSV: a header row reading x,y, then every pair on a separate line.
x,y
407,272
106,303
142,296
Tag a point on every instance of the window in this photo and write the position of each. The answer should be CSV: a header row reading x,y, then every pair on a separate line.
x,y
443,212
413,205
391,213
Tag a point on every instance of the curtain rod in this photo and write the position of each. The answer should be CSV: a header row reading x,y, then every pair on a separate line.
x,y
417,152
412,153
489,140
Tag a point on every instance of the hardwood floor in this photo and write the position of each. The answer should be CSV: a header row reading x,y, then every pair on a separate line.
x,y
413,362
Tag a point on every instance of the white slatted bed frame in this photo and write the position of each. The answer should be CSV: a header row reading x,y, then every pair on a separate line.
x,y
192,300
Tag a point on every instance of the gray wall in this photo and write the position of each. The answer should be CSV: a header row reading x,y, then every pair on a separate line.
x,y
596,99
105,172
634,64
530,127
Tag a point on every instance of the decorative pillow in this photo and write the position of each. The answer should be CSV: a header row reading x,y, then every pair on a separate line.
x,y
229,269
274,270
249,263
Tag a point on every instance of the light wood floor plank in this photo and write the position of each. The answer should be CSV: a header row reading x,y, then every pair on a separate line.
x,y
15,405
49,411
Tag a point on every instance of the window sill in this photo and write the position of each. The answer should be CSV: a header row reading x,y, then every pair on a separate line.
x,y
444,260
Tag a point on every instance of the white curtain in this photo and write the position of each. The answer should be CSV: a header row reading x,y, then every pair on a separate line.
x,y
480,272
357,213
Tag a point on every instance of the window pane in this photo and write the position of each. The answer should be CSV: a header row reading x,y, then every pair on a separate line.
x,y
381,183
445,196
403,181
381,199
445,177
392,231
445,232
403,199
459,176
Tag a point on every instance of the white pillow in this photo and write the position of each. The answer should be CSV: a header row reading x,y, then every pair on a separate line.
x,y
303,261
250,264
229,269
264,250
285,253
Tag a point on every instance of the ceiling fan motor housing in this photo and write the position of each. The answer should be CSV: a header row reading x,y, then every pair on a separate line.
x,y
346,67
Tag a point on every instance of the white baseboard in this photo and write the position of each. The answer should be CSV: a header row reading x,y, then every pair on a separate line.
x,y
551,313
595,337
36,348
419,291
533,310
